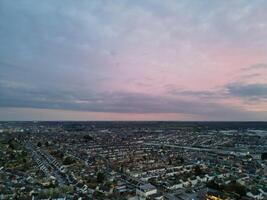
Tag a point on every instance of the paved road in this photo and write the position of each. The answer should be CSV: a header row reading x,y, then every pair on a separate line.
x,y
218,151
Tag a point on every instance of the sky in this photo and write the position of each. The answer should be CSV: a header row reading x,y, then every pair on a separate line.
x,y
133,60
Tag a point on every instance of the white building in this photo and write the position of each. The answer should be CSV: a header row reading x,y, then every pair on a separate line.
x,y
145,190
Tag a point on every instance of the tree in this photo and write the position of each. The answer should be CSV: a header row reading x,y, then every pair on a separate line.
x,y
170,161
197,170
100,177
213,185
68,160
121,168
11,144
264,156
87,138
237,188
46,144
240,189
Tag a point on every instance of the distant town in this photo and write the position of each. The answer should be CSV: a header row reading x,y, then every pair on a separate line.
x,y
133,160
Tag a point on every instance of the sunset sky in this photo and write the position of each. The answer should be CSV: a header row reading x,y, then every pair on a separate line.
x,y
133,60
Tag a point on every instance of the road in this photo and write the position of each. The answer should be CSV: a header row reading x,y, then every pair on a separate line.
x,y
211,150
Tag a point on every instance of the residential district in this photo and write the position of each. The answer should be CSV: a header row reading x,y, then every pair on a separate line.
x,y
133,160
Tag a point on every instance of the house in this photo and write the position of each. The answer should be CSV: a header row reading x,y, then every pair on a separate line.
x,y
145,190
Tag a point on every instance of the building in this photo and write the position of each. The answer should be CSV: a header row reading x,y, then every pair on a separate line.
x,y
145,190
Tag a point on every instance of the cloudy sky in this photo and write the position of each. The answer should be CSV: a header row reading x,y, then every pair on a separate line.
x,y
133,60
